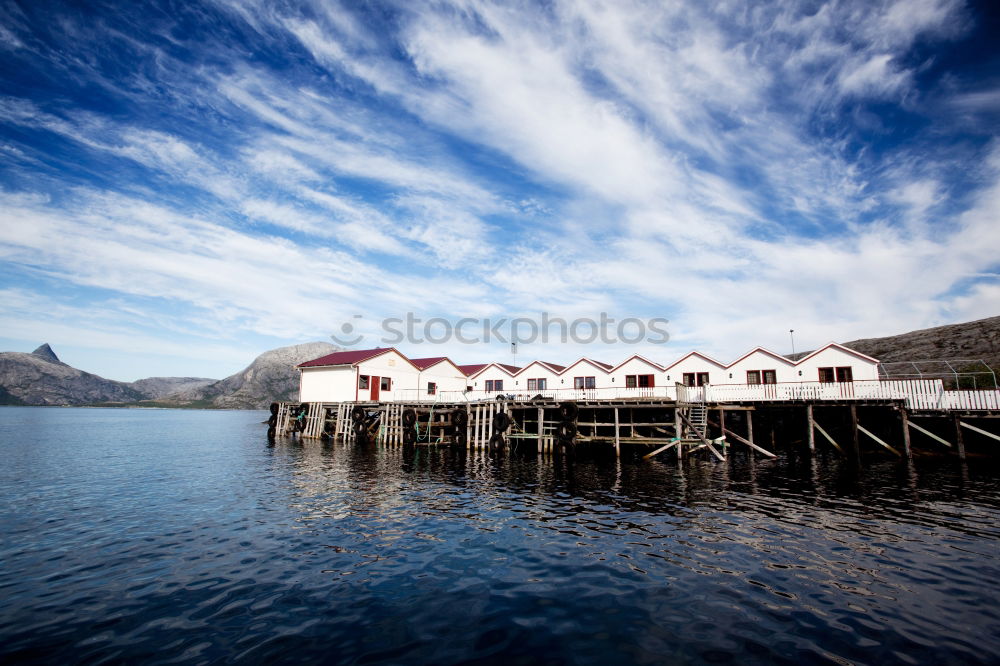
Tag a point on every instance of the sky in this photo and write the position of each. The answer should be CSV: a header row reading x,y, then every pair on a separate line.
x,y
187,184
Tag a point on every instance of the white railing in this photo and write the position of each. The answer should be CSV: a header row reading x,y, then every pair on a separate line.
x,y
918,394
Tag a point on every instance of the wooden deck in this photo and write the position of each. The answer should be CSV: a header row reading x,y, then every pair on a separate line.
x,y
847,424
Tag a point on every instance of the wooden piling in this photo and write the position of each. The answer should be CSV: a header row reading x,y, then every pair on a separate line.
x,y
959,441
812,428
906,432
854,433
618,442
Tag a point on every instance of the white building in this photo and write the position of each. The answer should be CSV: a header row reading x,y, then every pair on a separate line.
x,y
696,369
637,372
494,378
438,376
760,366
539,377
836,363
388,375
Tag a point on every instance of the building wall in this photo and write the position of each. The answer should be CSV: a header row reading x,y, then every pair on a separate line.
x,y
403,374
492,372
759,360
585,368
538,371
448,378
333,384
636,366
832,357
695,363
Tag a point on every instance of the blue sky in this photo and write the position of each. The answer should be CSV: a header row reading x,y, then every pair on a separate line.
x,y
187,184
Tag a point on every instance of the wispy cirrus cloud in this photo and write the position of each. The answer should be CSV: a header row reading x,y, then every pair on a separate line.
x,y
278,168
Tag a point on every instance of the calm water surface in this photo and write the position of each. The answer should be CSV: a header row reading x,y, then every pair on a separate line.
x,y
181,537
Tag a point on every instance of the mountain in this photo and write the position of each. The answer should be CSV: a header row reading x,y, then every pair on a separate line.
x,y
271,376
45,352
40,378
154,388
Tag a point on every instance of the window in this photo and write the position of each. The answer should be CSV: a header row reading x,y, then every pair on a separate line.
x,y
431,388
584,382
494,384
538,384
845,374
386,384
642,381
695,378
762,376
826,375
363,382
629,381
532,384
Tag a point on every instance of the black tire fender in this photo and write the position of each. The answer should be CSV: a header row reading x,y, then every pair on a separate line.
x,y
409,417
568,411
500,422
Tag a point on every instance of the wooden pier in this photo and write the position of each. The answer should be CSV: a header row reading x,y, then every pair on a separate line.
x,y
652,426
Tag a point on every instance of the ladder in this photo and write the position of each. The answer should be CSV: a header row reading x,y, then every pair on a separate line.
x,y
697,414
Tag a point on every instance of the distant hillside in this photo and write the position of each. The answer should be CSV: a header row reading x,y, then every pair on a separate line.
x,y
40,378
271,376
971,340
154,388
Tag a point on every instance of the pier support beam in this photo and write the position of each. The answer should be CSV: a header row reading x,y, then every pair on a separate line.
x,y
959,441
812,428
618,442
979,430
854,432
906,432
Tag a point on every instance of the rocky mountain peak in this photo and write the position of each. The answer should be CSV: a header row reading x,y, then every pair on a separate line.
x,y
45,352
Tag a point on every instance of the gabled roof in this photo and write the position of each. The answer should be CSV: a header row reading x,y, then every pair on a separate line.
x,y
641,358
770,353
472,369
509,369
841,348
699,355
424,363
604,367
351,357
428,363
554,368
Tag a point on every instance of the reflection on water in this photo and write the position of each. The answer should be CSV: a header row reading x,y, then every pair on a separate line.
x,y
191,540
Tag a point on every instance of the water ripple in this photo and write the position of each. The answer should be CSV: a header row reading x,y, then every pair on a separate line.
x,y
180,537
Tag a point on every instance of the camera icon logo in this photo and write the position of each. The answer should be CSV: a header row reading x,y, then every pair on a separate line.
x,y
347,329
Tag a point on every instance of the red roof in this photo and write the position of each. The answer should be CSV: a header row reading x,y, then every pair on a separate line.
x,y
512,369
424,363
351,357
472,369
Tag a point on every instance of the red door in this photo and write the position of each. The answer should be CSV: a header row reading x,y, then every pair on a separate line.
x,y
376,382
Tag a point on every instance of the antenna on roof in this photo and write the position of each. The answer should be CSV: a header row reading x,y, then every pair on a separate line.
x,y
513,353
791,334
